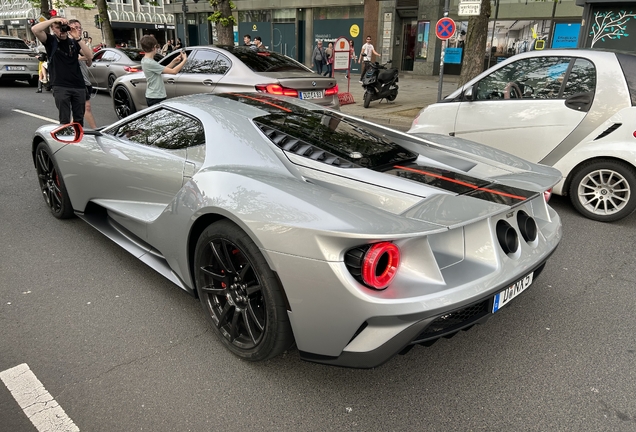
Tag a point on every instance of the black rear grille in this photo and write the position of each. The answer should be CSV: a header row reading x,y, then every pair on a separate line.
x,y
455,320
609,130
301,148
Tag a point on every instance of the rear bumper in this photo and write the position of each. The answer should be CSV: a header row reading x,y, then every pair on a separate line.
x,y
425,329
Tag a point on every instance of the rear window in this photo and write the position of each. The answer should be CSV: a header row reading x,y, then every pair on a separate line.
x,y
13,44
134,55
628,64
266,61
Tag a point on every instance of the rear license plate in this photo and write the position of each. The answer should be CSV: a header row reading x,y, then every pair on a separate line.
x,y
311,95
16,68
504,297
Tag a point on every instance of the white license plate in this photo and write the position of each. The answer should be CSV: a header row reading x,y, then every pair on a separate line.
x,y
16,68
311,95
504,297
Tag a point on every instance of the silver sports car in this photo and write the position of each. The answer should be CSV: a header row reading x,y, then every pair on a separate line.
x,y
291,222
220,69
111,63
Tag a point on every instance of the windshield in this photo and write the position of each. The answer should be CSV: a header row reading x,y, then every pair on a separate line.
x,y
13,44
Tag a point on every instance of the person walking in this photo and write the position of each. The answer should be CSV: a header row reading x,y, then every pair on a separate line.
x,y
155,88
319,57
178,45
43,74
352,58
366,57
329,54
247,40
167,48
63,48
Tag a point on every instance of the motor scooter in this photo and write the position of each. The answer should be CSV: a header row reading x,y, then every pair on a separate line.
x,y
380,83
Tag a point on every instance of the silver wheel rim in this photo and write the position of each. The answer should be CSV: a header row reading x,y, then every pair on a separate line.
x,y
604,192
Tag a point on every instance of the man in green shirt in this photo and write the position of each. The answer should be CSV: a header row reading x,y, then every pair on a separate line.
x,y
155,89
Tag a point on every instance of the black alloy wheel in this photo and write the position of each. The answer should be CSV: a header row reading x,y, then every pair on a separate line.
x,y
52,183
122,100
111,81
240,293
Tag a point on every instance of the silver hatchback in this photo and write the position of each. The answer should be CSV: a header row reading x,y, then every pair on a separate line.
x,y
223,69
17,61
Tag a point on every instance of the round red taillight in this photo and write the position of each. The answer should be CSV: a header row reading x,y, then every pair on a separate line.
x,y
380,264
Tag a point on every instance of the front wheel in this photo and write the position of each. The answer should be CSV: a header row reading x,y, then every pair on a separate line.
x,y
240,293
392,96
367,98
123,103
111,81
604,190
51,183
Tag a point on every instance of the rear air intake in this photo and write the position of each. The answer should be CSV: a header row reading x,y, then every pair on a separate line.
x,y
609,130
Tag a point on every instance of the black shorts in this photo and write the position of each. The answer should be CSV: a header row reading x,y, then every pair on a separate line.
x,y
89,92
152,101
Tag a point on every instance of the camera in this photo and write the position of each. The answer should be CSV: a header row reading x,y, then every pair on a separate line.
x,y
65,28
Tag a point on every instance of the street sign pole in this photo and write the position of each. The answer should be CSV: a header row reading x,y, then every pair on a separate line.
x,y
441,61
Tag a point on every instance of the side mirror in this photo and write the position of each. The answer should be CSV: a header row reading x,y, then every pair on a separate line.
x,y
470,93
68,134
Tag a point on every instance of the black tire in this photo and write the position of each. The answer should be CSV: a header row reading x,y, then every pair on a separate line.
x,y
367,98
122,102
391,97
604,190
240,293
51,183
111,81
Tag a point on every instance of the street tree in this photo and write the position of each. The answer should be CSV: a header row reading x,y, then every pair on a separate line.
x,y
104,21
224,21
475,44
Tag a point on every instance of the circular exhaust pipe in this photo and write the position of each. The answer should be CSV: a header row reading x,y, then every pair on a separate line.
x,y
507,236
527,226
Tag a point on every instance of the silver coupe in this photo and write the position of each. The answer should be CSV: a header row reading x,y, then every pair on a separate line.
x,y
292,222
220,69
110,63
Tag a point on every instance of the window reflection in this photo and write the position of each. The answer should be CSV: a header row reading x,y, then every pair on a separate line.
x,y
582,78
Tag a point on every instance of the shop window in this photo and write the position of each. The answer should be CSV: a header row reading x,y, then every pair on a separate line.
x,y
255,16
421,42
347,12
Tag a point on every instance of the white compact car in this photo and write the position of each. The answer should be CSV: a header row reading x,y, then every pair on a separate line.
x,y
570,109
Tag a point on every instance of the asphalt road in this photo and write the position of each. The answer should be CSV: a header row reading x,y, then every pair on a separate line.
x,y
122,349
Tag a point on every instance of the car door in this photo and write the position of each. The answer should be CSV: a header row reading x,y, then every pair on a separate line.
x,y
96,70
170,80
529,106
200,74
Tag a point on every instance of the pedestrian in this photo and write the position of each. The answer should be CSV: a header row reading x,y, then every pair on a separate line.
x,y
352,58
258,44
89,42
155,88
318,57
329,54
62,50
43,74
167,48
366,56
247,40
88,111
178,45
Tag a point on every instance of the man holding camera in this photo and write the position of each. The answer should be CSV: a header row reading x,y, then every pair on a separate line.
x,y
63,48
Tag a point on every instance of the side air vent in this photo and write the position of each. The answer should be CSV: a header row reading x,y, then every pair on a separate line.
x,y
301,148
609,130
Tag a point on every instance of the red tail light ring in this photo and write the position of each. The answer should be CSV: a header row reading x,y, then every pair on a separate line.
x,y
547,195
380,264
276,89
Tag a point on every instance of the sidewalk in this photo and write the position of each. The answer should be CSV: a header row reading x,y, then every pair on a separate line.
x,y
415,93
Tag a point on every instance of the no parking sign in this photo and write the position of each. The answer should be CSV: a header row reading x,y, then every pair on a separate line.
x,y
445,28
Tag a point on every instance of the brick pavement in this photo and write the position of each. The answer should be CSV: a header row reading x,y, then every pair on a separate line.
x,y
415,93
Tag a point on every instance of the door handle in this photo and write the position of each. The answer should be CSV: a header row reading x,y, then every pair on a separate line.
x,y
580,102
170,81
208,82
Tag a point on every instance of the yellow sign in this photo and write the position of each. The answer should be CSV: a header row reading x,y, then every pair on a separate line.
x,y
254,28
354,31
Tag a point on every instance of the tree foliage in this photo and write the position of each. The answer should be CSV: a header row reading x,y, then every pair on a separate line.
x,y
475,44
224,21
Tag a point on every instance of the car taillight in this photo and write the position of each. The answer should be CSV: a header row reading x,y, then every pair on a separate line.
x,y
547,195
332,91
131,69
276,89
380,264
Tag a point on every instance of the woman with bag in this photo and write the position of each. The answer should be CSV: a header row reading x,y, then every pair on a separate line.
x,y
329,56
319,57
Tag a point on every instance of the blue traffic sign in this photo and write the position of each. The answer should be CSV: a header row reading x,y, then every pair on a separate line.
x,y
445,28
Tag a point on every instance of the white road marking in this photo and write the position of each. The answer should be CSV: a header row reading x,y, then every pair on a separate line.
x,y
36,116
38,404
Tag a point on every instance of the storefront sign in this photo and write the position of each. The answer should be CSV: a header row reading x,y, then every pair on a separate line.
x,y
341,54
453,55
14,22
469,8
566,35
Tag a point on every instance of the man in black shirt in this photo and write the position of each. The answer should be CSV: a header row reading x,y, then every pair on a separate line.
x,y
65,75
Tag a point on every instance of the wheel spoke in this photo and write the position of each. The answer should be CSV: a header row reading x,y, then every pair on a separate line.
x,y
224,313
216,276
250,308
228,257
248,326
214,291
252,289
43,164
234,327
244,270
217,255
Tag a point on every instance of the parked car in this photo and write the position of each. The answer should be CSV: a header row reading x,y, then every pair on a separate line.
x,y
218,69
570,109
295,222
111,63
17,61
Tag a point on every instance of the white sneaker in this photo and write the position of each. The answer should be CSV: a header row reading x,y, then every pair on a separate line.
x,y
360,82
